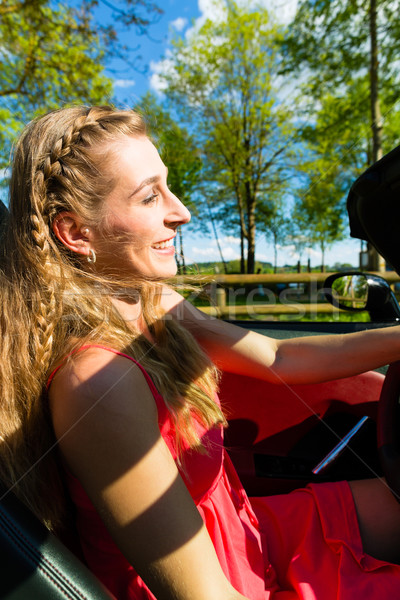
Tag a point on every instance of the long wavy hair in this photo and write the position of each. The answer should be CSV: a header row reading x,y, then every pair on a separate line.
x,y
52,304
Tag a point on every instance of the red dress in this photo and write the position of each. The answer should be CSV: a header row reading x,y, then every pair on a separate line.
x,y
304,545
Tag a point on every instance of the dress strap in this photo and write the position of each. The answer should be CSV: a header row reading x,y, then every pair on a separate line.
x,y
149,381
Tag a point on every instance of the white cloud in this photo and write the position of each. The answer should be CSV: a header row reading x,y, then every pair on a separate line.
x,y
230,239
157,83
158,68
293,253
212,253
179,24
263,257
283,10
203,251
124,83
210,9
311,252
230,253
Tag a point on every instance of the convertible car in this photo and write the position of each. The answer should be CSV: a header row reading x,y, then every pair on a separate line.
x,y
337,430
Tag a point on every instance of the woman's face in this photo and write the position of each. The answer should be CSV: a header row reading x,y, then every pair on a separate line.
x,y
141,214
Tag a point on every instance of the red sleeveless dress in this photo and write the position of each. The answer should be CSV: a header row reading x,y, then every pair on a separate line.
x,y
304,545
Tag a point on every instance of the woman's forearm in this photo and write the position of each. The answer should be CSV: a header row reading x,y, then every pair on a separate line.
x,y
322,358
310,359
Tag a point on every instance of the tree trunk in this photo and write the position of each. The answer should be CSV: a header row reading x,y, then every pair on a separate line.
x,y
251,229
243,230
251,248
375,263
242,258
322,257
376,117
216,237
249,200
181,251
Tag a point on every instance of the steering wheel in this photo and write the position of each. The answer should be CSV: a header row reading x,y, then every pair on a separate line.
x,y
389,428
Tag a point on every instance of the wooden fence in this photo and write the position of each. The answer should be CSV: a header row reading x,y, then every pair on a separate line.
x,y
233,296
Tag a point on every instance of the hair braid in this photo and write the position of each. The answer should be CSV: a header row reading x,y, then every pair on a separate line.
x,y
49,308
64,145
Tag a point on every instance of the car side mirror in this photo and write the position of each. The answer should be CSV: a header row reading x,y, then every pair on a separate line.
x,y
356,292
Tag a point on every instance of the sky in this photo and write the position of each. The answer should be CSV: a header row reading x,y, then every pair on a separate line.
x,y
131,84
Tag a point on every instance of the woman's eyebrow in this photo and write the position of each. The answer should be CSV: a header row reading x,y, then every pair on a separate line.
x,y
145,182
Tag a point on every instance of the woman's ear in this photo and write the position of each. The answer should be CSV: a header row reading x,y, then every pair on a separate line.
x,y
71,232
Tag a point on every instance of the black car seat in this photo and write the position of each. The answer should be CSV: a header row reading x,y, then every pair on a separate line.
x,y
34,564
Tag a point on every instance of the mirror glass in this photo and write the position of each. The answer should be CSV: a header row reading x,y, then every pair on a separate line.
x,y
351,291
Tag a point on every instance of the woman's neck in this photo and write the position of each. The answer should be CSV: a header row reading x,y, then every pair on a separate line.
x,y
130,308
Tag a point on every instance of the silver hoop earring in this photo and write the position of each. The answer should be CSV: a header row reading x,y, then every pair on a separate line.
x,y
91,258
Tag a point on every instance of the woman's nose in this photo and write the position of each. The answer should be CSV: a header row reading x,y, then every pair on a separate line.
x,y
178,213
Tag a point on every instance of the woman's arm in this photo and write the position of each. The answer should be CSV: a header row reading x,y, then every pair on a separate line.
x,y
299,360
106,422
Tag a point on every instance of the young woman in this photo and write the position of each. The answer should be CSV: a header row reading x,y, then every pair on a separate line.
x,y
108,388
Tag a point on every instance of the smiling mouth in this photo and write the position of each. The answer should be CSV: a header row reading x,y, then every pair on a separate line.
x,y
164,244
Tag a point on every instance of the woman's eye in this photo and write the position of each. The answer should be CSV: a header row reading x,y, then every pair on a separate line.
x,y
150,199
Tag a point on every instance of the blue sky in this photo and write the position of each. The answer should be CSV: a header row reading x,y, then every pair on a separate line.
x,y
178,17
129,85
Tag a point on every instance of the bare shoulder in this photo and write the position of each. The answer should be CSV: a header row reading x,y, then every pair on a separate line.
x,y
94,368
95,364
100,386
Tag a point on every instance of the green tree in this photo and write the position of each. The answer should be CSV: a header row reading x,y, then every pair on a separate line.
x,y
346,52
320,205
52,54
274,222
224,80
297,239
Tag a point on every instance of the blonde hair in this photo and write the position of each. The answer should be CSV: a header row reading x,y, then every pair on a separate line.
x,y
51,305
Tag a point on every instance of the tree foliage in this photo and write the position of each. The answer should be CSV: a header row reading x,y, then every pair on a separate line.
x,y
52,54
46,60
274,223
320,204
224,80
344,52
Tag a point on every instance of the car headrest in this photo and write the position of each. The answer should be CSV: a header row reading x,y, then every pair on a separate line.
x,y
35,564
373,205
3,216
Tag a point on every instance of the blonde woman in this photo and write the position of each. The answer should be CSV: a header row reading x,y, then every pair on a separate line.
x,y
102,357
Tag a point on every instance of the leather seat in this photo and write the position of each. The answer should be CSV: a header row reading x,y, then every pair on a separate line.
x,y
34,564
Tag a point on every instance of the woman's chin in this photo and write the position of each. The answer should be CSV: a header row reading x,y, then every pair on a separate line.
x,y
162,271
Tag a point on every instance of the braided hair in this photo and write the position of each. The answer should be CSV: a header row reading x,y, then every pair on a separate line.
x,y
55,169
52,303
